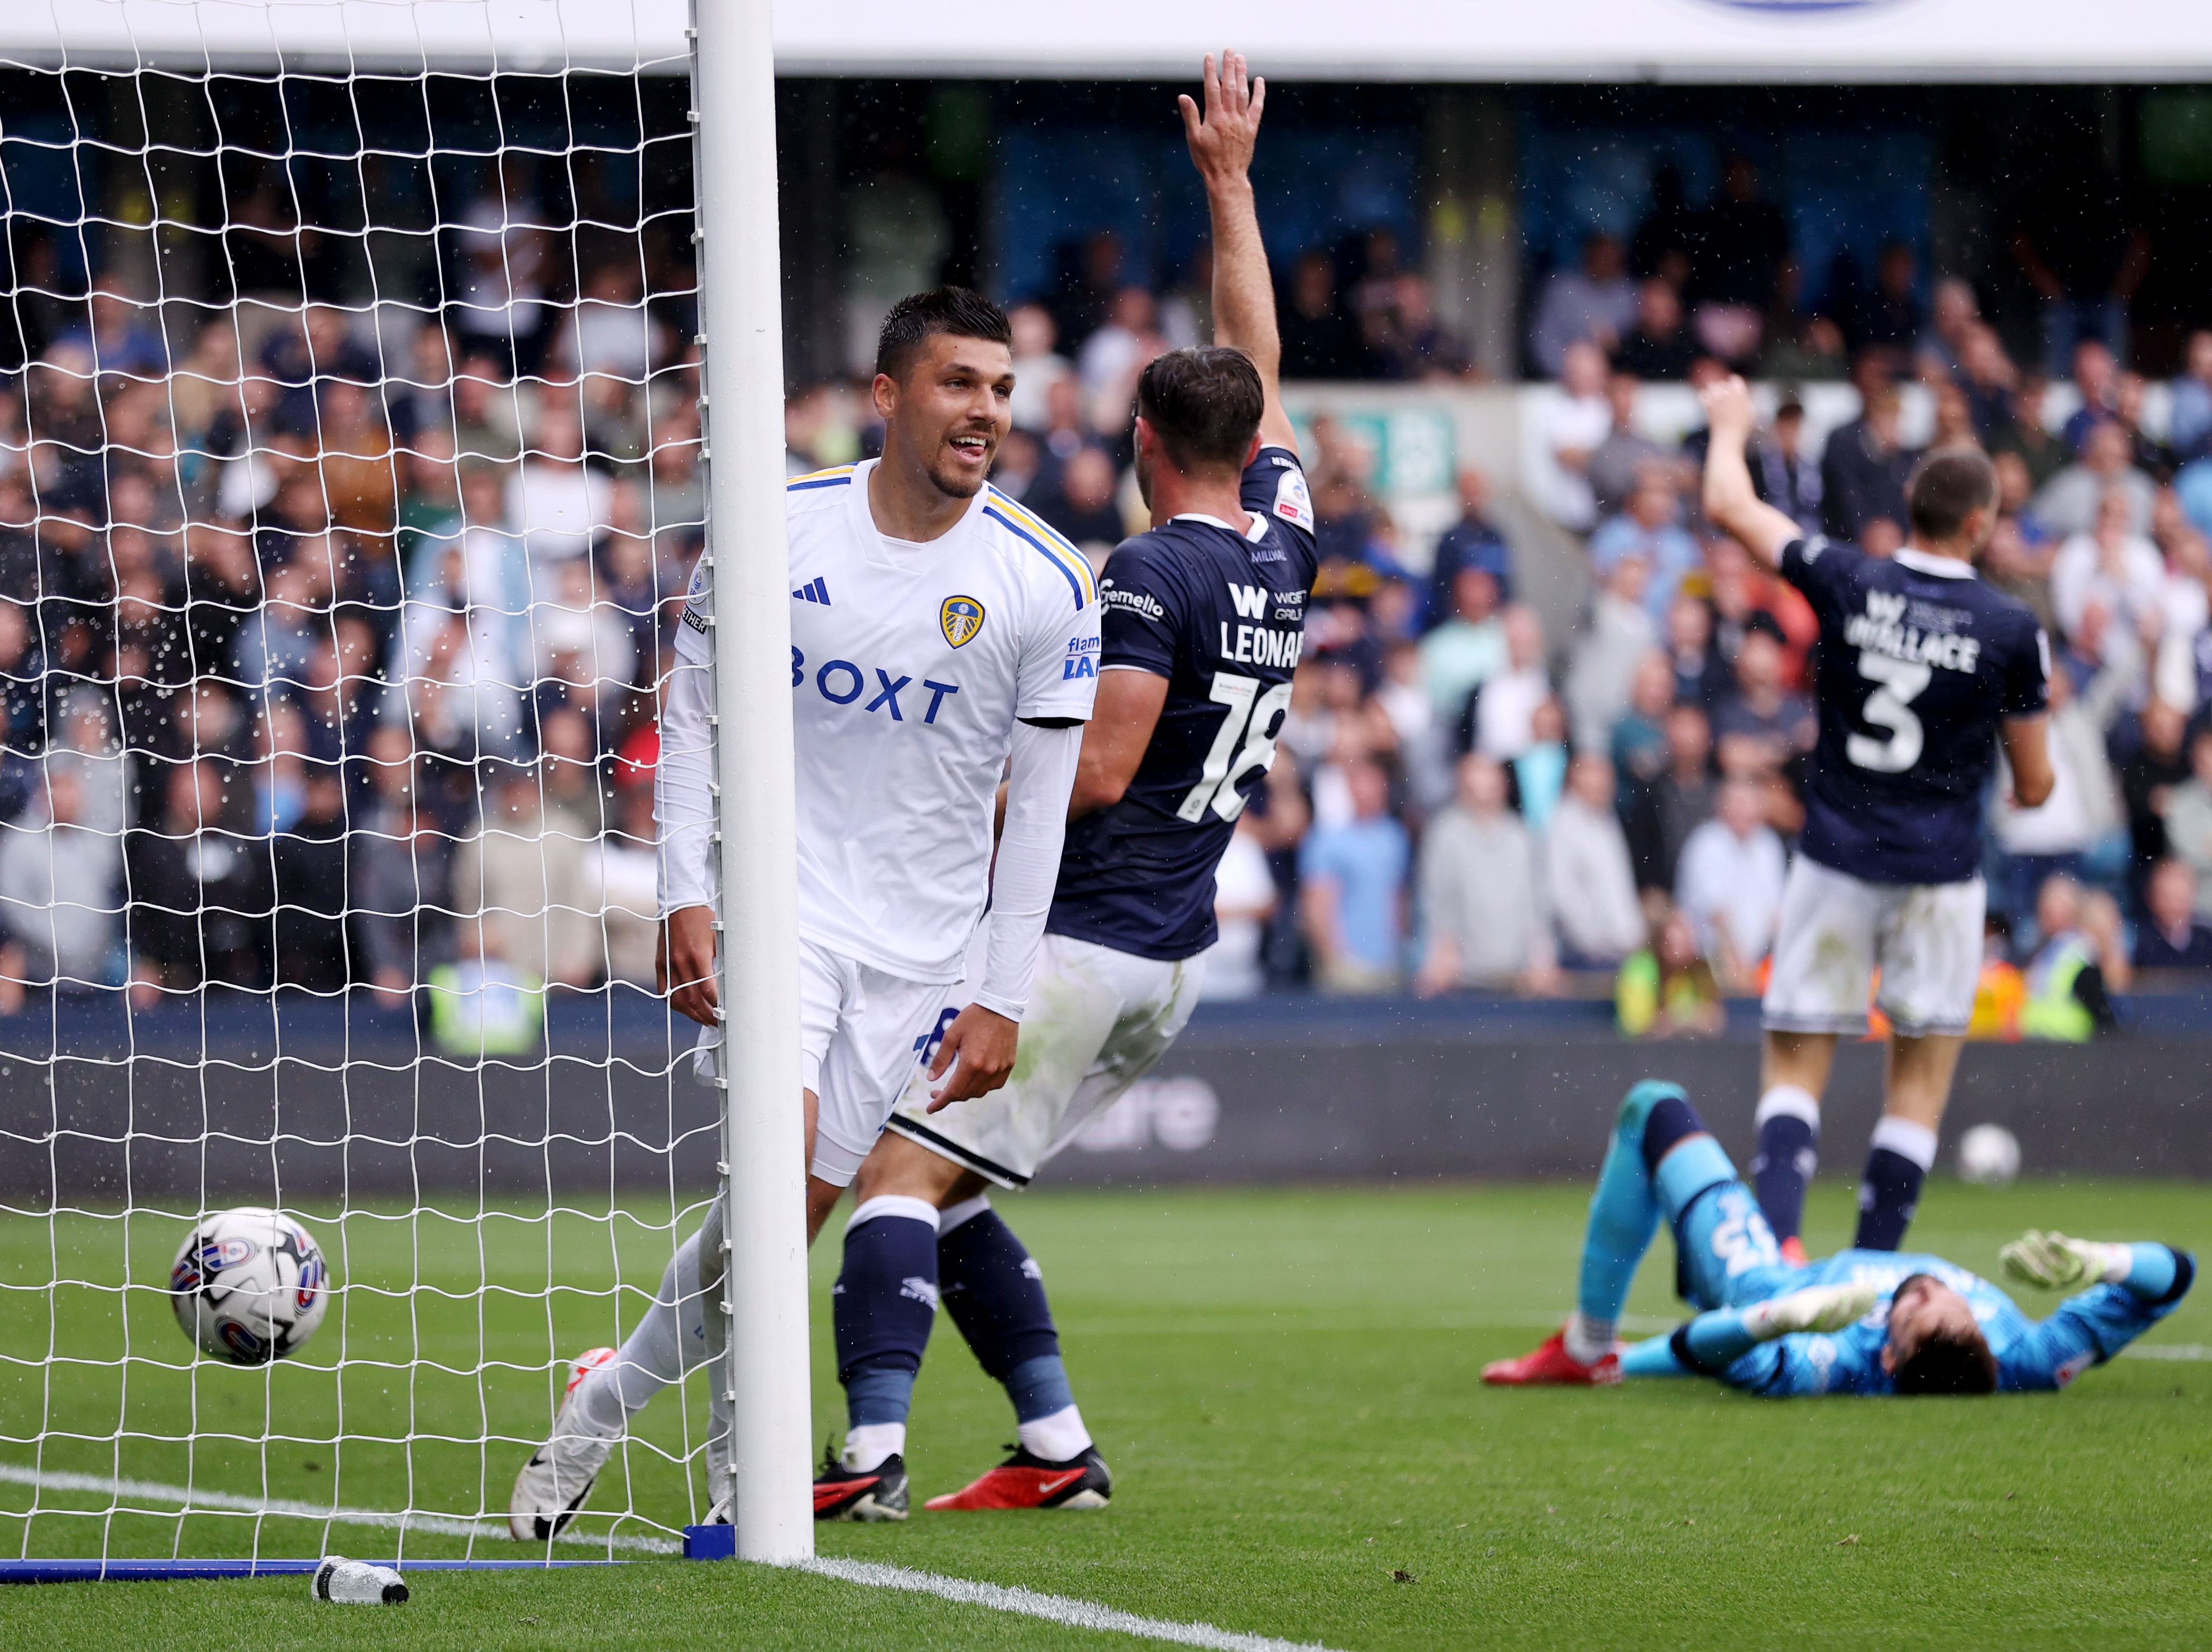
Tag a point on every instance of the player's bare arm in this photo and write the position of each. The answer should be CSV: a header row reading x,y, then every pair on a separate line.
x,y
1121,724
685,963
1222,137
1731,503
2027,748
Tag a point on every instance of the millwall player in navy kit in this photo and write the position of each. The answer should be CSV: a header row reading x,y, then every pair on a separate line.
x,y
1924,670
1203,622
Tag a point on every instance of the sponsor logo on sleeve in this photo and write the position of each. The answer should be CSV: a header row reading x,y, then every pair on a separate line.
x,y
1293,503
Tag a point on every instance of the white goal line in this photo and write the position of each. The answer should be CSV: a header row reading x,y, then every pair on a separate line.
x,y
997,1597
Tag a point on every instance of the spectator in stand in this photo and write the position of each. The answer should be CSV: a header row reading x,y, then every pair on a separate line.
x,y
2025,434
1767,723
1353,881
2068,989
1701,677
610,333
1864,465
1569,429
1319,341
2157,768
2145,450
1539,772
1798,346
2188,814
199,888
1459,655
1940,352
2097,382
1474,540
1112,356
1595,305
1244,898
1590,878
1618,462
1677,803
309,865
1638,746
1743,239
1602,678
1504,710
1730,885
2189,426
1784,476
1659,346
558,501
1888,320
1037,366
1649,528
2080,829
1481,898
2172,936
1990,381
2112,566
1415,345
1082,503
1668,990
60,910
522,876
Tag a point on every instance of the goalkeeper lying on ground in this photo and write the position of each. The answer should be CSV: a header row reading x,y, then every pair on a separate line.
x,y
1860,1322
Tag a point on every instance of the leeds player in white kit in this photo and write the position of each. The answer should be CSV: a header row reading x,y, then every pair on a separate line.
x,y
938,641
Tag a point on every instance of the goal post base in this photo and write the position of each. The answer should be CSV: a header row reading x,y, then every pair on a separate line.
x,y
710,1542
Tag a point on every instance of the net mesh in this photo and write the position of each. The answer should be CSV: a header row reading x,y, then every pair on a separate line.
x,y
349,485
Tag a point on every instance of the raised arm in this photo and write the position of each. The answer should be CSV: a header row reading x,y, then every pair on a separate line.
x,y
1731,503
1222,136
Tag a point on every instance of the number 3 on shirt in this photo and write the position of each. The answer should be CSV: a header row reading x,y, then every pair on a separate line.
x,y
1253,717
1890,706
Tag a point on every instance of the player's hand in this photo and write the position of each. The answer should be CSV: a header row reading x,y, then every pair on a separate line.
x,y
1729,409
2054,1262
1817,1308
683,963
984,1041
1222,136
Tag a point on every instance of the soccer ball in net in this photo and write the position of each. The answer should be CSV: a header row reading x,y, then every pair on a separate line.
x,y
249,1285
1989,1154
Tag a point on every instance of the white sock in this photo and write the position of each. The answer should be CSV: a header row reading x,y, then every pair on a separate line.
x,y
1788,1102
913,1210
966,1210
1588,1340
655,1354
868,1445
1057,1438
1906,1139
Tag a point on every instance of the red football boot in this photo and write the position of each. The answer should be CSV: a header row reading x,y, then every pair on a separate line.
x,y
1793,1251
1551,1365
1026,1480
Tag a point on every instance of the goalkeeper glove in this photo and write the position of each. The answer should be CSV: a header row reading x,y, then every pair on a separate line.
x,y
2055,1262
1817,1308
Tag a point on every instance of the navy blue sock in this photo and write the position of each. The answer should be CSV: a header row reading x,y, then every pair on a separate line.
x,y
883,1304
1789,1150
1887,1199
995,1295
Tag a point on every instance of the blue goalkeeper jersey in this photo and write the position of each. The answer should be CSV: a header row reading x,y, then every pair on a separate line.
x,y
2086,1330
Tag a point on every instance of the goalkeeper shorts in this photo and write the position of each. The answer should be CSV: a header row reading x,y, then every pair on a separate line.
x,y
1098,1021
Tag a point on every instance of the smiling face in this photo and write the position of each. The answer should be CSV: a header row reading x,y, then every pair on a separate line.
x,y
948,413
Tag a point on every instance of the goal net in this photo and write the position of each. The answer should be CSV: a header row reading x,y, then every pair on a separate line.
x,y
349,482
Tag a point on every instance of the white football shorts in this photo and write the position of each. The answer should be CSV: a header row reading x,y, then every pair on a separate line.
x,y
1835,930
860,1031
1099,1019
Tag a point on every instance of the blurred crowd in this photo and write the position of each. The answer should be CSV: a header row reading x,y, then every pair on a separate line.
x,y
329,647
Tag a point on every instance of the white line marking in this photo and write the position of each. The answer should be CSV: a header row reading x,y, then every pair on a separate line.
x,y
2166,1351
197,1497
1056,1608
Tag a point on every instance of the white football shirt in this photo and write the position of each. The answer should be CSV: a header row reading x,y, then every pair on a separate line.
x,y
909,666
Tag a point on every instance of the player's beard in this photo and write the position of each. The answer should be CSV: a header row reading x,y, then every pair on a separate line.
x,y
955,483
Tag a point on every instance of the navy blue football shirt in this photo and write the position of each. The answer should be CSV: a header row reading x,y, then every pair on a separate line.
x,y
1920,662
1221,616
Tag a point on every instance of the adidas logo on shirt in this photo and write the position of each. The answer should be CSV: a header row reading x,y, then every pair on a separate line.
x,y
814,590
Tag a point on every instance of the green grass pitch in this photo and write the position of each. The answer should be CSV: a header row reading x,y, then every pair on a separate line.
x,y
1285,1383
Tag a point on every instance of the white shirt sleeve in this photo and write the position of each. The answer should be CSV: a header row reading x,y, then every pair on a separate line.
x,y
683,784
1043,775
1059,666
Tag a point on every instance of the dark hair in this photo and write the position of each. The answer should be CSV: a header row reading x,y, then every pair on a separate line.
x,y
1204,404
1945,1362
1946,488
918,316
